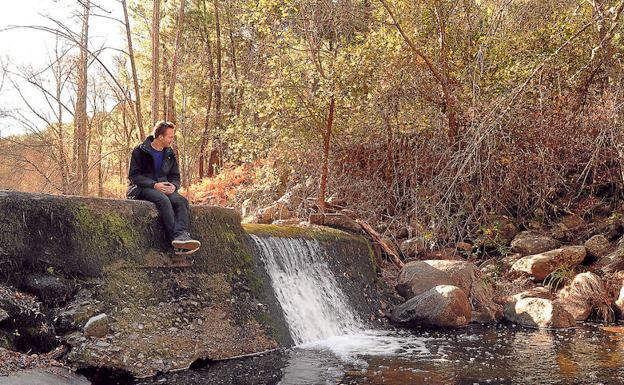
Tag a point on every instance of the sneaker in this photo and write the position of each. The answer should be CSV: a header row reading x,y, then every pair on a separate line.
x,y
184,241
177,251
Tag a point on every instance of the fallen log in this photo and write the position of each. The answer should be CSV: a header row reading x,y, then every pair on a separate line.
x,y
387,247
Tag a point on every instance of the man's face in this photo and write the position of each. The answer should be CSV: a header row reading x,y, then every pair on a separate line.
x,y
168,137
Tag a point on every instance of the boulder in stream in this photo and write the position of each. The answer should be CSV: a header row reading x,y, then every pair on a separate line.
x,y
419,276
538,313
614,261
416,277
585,294
441,306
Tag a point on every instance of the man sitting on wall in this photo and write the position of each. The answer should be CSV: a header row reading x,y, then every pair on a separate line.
x,y
155,176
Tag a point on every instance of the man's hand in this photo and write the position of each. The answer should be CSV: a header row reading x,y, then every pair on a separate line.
x,y
165,187
170,188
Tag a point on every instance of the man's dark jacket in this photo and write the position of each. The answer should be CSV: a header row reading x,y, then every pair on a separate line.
x,y
141,173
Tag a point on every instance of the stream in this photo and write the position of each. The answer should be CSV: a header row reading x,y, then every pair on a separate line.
x,y
334,346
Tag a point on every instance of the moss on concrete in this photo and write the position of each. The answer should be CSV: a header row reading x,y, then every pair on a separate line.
x,y
275,330
73,235
12,232
104,236
320,233
372,256
222,237
106,231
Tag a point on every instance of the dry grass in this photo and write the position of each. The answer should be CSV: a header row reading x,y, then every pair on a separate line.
x,y
588,287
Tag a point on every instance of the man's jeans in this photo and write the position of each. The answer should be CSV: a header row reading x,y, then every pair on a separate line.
x,y
173,209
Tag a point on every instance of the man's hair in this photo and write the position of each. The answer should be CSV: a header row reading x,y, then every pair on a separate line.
x,y
160,128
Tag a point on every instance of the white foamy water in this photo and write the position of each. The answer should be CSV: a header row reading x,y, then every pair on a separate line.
x,y
314,306
317,310
370,343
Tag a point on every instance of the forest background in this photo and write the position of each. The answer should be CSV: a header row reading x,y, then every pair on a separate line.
x,y
425,118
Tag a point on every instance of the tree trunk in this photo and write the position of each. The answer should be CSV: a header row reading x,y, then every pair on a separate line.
x,y
213,161
170,115
63,160
121,173
204,138
445,81
211,82
81,105
135,78
155,60
218,90
389,173
325,164
165,70
100,171
237,98
127,138
441,76
65,174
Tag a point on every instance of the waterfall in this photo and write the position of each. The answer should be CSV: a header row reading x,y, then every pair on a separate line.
x,y
317,311
314,306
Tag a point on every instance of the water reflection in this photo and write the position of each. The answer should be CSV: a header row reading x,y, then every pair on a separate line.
x,y
499,354
309,367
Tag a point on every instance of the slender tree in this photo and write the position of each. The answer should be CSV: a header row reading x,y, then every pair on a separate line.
x,y
208,60
170,114
155,60
135,77
216,156
80,118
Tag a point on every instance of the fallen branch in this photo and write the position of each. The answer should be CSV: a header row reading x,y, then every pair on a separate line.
x,y
387,247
